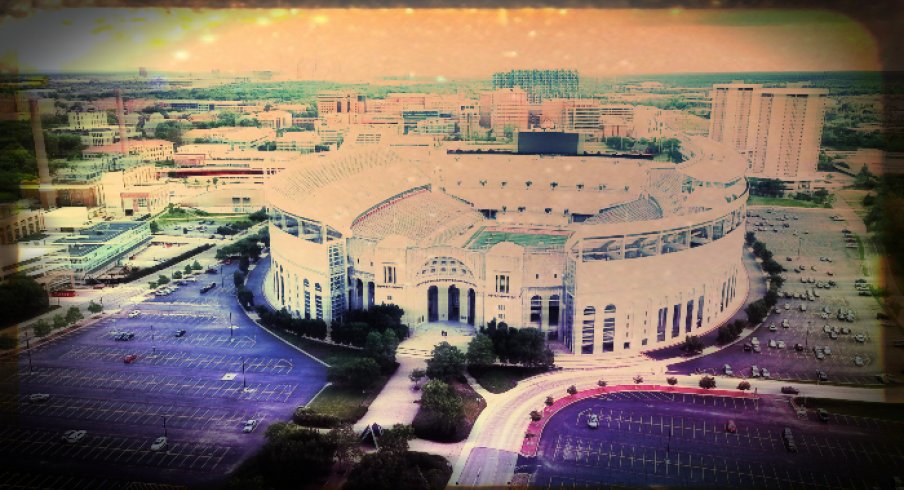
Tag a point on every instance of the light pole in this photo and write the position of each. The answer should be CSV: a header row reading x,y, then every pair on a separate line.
x,y
800,241
28,350
244,386
164,425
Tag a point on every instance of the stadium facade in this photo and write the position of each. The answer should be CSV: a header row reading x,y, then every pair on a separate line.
x,y
606,255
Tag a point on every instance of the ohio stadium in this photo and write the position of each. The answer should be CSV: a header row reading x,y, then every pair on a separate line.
x,y
605,255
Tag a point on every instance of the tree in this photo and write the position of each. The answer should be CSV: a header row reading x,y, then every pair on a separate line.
x,y
177,275
381,347
196,266
549,401
756,311
95,307
749,238
290,447
395,440
153,284
707,382
162,279
238,278
671,380
480,351
444,406
73,314
155,228
535,415
692,344
41,328
744,385
417,375
187,269
638,379
358,373
446,362
348,447
21,298
170,131
245,297
572,390
58,321
601,383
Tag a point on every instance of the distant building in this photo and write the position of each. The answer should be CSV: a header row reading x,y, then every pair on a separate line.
x,y
300,141
91,249
40,262
16,223
87,120
507,108
785,132
274,119
729,120
340,103
540,85
145,150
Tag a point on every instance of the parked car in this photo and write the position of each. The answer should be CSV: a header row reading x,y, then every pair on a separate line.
x,y
249,426
129,359
593,421
73,436
727,369
822,376
790,390
38,397
134,314
730,427
754,372
158,444
179,333
823,415
764,373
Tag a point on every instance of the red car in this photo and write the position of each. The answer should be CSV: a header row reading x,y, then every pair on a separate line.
x,y
730,427
129,359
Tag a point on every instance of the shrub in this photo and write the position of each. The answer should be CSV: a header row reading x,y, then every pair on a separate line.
x,y
671,380
95,307
549,401
601,383
744,385
358,373
638,379
41,328
310,418
572,390
535,415
707,382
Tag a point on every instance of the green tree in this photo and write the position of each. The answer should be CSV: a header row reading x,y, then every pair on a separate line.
x,y
359,373
59,321
395,440
155,228
382,347
162,279
245,297
170,131
177,275
480,351
348,447
445,362
95,307
21,298
289,448
238,278
73,314
417,375
444,406
41,328
196,266
692,344
187,269
153,284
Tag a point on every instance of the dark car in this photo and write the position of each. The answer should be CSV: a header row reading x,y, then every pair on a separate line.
x,y
823,415
179,333
211,271
822,376
790,390
798,347
129,359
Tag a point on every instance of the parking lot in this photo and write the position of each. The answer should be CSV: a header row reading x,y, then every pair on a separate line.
x,y
654,438
130,378
819,254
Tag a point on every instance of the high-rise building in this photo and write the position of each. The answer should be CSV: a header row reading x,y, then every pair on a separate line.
x,y
508,109
785,132
540,84
730,118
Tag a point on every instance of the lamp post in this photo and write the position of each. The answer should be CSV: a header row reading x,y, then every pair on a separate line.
x,y
244,386
164,425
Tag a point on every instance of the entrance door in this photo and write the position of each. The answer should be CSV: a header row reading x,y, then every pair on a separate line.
x,y
454,304
432,304
471,306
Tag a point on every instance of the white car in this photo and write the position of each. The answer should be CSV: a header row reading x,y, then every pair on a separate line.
x,y
593,421
772,327
827,350
858,361
159,443
73,436
764,372
780,344
754,371
134,314
249,426
772,343
38,397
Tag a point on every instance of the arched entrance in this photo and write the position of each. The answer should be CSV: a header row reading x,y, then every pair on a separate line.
x,y
432,304
370,294
359,294
454,304
471,306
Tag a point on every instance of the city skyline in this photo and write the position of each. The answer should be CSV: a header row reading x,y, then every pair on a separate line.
x,y
442,44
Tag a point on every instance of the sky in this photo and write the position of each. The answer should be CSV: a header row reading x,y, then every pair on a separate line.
x,y
361,44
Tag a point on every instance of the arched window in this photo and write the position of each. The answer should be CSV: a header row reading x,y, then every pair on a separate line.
x,y
610,309
307,283
317,287
588,330
536,311
553,306
608,344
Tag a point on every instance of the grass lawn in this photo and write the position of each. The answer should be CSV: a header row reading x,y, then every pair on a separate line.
x,y
499,379
780,201
344,403
888,411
